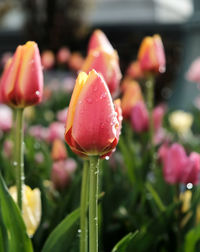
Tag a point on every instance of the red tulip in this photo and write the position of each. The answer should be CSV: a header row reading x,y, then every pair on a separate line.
x,y
131,95
104,59
151,55
105,63
22,80
92,126
99,41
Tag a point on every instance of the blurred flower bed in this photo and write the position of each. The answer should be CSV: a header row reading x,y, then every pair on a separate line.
x,y
149,195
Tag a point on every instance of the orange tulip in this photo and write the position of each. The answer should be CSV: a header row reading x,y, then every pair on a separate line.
x,y
104,59
93,125
22,80
131,95
151,55
59,151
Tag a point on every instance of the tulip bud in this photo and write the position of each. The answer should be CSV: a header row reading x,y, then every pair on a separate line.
x,y
104,59
193,73
139,117
76,61
56,130
59,151
22,80
175,163
134,70
192,172
99,41
62,172
48,59
63,55
158,114
92,124
5,118
181,121
62,115
31,207
151,55
131,95
106,64
162,152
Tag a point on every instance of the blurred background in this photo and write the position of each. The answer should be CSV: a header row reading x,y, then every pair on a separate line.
x,y
54,24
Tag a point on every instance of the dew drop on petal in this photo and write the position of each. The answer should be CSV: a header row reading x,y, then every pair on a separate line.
x,y
89,100
37,93
107,158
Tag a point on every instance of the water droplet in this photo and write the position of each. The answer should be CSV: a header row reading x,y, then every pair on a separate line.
x,y
37,92
103,96
89,100
79,231
15,163
162,69
189,186
95,88
107,158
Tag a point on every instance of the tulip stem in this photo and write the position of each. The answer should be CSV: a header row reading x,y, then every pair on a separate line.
x,y
150,105
19,159
93,204
84,208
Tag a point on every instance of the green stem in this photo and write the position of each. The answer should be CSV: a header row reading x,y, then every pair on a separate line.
x,y
177,199
84,208
19,160
150,105
93,204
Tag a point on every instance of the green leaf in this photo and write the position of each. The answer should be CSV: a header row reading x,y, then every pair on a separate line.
x,y
122,245
12,227
63,235
192,237
156,197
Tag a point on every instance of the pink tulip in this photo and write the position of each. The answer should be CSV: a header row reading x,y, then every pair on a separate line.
x,y
48,59
158,114
139,117
174,163
62,115
63,55
5,118
39,132
192,172
56,130
62,172
177,166
193,73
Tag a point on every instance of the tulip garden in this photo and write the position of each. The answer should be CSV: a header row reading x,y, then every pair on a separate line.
x,y
90,162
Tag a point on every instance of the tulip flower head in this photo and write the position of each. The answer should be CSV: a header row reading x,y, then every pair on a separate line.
x,y
99,41
131,95
151,55
178,167
31,207
22,79
181,121
92,125
193,73
134,70
104,59
59,151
